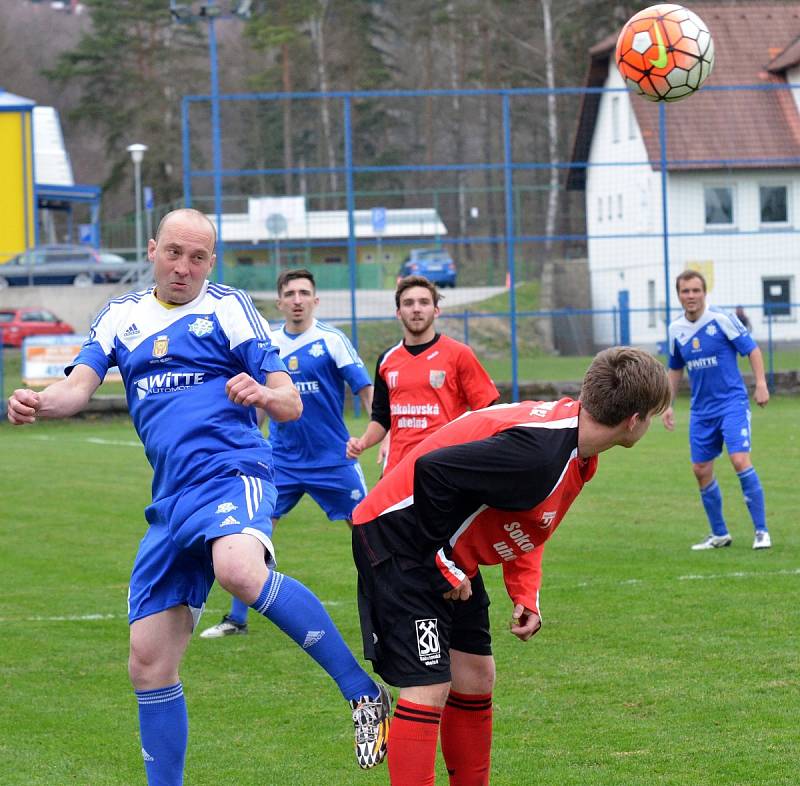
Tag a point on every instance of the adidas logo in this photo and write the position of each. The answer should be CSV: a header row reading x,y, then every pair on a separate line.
x,y
146,756
229,522
131,331
312,637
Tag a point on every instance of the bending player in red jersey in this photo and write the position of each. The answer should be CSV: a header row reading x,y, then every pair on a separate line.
x,y
422,382
488,488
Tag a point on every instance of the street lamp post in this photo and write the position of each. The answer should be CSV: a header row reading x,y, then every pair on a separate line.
x,y
209,11
137,152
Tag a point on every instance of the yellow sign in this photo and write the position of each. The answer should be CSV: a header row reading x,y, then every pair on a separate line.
x,y
17,216
706,268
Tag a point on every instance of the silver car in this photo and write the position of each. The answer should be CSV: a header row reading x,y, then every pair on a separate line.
x,y
81,266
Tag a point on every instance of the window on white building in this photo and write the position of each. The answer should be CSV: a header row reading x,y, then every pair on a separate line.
x,y
774,204
719,205
610,209
615,118
631,122
600,209
619,205
651,303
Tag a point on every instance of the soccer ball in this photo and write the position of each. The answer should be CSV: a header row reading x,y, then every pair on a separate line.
x,y
665,52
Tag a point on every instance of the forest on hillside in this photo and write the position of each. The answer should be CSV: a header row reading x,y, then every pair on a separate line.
x,y
117,73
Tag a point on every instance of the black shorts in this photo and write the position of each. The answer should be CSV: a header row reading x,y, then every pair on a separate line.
x,y
408,629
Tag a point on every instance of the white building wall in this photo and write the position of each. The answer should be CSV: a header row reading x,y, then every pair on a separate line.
x,y
626,249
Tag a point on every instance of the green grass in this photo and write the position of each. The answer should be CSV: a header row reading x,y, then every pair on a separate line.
x,y
655,665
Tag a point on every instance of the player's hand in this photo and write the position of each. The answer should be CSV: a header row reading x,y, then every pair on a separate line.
x,y
243,389
668,418
23,406
462,592
355,447
383,451
524,622
762,394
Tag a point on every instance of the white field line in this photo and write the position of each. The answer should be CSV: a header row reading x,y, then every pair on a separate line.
x,y
130,443
739,574
100,617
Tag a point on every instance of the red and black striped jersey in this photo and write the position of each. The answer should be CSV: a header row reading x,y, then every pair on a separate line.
x,y
490,487
417,392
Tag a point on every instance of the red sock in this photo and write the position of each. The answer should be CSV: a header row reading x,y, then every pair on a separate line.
x,y
467,738
413,734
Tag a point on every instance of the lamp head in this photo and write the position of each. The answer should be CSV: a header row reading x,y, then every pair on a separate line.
x,y
137,152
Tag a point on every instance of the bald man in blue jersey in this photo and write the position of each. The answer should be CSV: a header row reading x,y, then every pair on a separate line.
x,y
706,341
198,363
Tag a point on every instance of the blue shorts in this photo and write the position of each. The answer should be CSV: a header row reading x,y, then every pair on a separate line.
x,y
337,490
173,565
706,435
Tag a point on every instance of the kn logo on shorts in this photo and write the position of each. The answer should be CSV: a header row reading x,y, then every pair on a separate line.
x,y
428,645
226,507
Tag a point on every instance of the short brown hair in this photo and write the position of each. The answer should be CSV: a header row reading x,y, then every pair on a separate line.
x,y
290,275
686,275
416,281
622,381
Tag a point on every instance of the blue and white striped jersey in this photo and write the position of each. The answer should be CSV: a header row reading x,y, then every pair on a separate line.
x,y
320,361
175,363
707,348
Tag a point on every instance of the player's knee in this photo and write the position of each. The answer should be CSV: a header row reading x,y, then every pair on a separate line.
x,y
241,580
149,669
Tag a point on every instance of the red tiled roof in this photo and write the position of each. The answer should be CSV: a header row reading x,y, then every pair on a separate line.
x,y
754,44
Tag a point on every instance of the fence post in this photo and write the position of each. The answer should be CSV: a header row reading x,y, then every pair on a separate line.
x,y
466,326
2,380
623,299
770,349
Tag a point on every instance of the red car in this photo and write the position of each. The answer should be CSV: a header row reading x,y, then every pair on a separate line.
x,y
17,323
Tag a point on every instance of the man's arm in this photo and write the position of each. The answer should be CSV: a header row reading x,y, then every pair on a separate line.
x,y
365,394
668,416
278,398
757,364
60,400
372,436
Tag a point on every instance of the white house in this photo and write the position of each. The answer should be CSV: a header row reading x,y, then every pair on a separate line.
x,y
732,180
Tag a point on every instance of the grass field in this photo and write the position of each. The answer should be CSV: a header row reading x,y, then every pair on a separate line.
x,y
655,665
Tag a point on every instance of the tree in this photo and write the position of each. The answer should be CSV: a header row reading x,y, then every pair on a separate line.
x,y
132,67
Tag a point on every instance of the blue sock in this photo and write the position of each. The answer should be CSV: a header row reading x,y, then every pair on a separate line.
x,y
239,611
754,497
301,616
164,729
712,502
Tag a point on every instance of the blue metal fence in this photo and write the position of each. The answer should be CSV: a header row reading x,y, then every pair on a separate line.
x,y
626,202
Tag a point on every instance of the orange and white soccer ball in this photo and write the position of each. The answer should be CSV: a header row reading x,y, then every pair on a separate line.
x,y
665,52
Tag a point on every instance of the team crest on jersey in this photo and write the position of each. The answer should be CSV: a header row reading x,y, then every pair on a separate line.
x,y
437,378
391,379
428,645
201,327
293,363
695,343
711,329
316,349
160,346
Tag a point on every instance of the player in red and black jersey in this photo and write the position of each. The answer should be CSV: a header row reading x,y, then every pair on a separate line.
x,y
488,488
422,382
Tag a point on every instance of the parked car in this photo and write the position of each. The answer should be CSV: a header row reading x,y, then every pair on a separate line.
x,y
19,323
63,264
436,265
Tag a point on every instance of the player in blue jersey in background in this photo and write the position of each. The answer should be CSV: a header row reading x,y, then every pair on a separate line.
x,y
309,453
197,362
706,342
